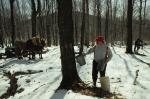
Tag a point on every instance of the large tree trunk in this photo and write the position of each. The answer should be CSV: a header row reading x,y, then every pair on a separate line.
x,y
123,23
40,20
1,31
75,18
4,26
99,10
115,21
48,21
140,19
52,24
107,21
111,24
34,14
87,24
55,26
144,17
12,21
82,27
65,24
76,28
129,27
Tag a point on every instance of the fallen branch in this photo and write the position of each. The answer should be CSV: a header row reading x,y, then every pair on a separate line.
x,y
135,80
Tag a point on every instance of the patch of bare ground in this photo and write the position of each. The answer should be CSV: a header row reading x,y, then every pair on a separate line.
x,y
12,90
95,91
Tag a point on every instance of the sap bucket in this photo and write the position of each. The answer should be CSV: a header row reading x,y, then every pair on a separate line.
x,y
81,60
105,83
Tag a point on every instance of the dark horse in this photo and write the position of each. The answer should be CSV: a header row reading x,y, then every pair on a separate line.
x,y
30,47
138,43
35,45
20,48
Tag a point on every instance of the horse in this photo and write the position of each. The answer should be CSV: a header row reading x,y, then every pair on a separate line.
x,y
29,48
35,45
20,47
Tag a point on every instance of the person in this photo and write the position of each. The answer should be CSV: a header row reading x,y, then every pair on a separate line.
x,y
138,44
102,54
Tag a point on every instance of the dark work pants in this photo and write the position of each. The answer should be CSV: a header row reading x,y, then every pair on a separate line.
x,y
95,72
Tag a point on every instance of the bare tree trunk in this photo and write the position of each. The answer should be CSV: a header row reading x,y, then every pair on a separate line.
x,y
76,29
52,24
4,25
123,23
144,16
140,19
56,27
65,24
115,20
1,31
18,21
87,24
94,33
111,25
107,21
13,36
48,23
82,27
40,19
75,23
129,27
99,10
34,14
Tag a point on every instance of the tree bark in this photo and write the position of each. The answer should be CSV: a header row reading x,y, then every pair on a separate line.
x,y
144,16
40,19
34,14
52,24
82,27
129,27
99,10
13,36
1,31
115,20
140,19
65,24
87,24
107,21
123,22
48,23
75,13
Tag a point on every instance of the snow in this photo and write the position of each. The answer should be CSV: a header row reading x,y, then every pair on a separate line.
x,y
42,85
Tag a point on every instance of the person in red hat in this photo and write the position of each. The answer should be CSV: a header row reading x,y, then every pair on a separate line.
x,y
99,39
102,54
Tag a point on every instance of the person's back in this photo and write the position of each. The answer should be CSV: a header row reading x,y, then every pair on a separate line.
x,y
99,52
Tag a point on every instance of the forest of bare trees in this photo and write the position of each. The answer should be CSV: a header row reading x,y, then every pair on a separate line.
x,y
23,19
74,22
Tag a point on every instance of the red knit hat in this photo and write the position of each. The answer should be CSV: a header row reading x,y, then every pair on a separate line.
x,y
100,39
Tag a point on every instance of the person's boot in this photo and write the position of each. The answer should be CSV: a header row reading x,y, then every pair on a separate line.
x,y
94,86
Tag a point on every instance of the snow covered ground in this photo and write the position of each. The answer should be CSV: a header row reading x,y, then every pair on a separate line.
x,y
122,71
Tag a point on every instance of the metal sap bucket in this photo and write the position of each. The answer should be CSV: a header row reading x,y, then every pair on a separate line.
x,y
81,60
105,83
